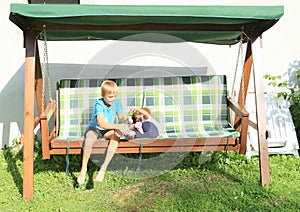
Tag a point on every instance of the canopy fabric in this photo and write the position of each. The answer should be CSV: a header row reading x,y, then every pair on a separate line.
x,y
205,24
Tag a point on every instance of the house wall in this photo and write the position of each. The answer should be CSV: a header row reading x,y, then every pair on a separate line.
x,y
280,54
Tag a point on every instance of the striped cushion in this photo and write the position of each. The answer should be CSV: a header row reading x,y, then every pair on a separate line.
x,y
193,106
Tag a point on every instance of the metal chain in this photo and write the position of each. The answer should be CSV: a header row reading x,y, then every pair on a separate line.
x,y
43,77
46,69
236,65
243,76
240,56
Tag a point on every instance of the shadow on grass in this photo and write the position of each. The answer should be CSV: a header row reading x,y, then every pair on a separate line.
x,y
14,161
58,163
155,164
90,182
218,164
89,185
158,163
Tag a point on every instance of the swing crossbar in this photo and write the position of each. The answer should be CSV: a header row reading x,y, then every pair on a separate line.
x,y
193,113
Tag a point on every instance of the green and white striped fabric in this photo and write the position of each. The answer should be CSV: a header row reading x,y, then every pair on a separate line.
x,y
184,107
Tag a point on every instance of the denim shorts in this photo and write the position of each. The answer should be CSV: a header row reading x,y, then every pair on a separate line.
x,y
100,133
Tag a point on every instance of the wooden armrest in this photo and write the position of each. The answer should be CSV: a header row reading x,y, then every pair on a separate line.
x,y
46,137
236,108
48,112
36,122
241,123
252,124
50,109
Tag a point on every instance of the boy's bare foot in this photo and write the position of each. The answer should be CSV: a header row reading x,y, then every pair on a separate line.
x,y
81,177
100,175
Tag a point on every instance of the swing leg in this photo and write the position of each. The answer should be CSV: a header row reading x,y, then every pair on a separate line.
x,y
29,114
261,120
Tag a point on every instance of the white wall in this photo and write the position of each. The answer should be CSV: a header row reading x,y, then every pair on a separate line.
x,y
280,51
11,77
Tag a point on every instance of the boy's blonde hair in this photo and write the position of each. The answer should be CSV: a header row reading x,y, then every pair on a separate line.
x,y
108,87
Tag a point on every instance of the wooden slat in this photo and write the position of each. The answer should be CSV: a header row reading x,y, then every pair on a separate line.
x,y
150,146
150,143
45,138
136,150
64,151
73,144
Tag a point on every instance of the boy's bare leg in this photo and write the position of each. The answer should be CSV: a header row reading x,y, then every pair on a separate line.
x,y
110,152
90,138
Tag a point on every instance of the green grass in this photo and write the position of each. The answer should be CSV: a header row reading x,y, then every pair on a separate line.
x,y
190,185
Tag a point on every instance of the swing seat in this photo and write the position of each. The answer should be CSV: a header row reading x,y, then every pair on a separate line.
x,y
192,112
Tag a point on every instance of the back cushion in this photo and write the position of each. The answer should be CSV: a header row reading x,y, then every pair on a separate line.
x,y
191,106
183,106
77,99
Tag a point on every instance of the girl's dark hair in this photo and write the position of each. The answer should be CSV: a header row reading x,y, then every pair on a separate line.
x,y
133,119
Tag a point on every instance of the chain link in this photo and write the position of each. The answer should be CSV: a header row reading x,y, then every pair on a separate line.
x,y
46,69
236,65
240,56
243,77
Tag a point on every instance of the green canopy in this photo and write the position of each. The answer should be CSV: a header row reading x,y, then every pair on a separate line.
x,y
205,24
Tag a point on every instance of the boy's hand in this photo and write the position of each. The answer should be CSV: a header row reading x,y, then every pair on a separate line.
x,y
128,119
123,129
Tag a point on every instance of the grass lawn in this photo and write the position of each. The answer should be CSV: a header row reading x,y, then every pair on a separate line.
x,y
195,183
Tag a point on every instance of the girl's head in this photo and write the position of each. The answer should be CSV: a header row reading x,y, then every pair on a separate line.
x,y
109,91
138,116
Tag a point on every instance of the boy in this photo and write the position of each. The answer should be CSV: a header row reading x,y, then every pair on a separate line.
x,y
101,125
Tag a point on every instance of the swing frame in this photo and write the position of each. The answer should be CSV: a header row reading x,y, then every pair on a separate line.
x,y
32,26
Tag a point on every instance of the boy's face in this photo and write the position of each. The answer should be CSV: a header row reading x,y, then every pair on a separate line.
x,y
109,98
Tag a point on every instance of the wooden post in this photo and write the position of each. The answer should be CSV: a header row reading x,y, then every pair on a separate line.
x,y
247,73
260,116
29,114
260,107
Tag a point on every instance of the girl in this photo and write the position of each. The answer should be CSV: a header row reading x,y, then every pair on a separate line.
x,y
144,125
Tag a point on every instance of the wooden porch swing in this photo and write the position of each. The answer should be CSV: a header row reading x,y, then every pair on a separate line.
x,y
221,25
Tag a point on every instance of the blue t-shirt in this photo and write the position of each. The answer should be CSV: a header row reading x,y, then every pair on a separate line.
x,y
108,113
